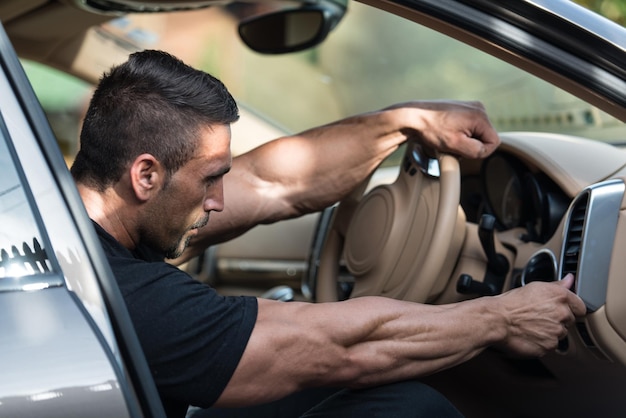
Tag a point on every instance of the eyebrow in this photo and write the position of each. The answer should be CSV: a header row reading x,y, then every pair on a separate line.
x,y
219,173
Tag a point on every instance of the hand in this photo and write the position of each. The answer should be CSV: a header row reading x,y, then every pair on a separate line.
x,y
459,128
538,314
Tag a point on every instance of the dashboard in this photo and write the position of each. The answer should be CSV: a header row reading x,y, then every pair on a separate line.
x,y
559,207
517,195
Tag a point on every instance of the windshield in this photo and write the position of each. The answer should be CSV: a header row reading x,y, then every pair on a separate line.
x,y
371,60
359,69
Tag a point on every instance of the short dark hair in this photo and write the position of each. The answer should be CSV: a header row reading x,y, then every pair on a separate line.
x,y
153,103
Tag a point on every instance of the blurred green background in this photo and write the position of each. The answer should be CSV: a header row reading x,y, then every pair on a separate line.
x,y
612,9
332,79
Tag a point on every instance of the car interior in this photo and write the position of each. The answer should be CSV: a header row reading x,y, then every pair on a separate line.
x,y
425,228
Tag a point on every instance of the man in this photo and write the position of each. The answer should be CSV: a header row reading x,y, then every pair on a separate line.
x,y
152,165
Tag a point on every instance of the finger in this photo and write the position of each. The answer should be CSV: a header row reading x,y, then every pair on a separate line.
x,y
482,145
478,140
481,132
576,304
567,281
490,141
475,144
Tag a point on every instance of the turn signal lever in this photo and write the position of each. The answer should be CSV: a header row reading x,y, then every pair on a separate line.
x,y
497,264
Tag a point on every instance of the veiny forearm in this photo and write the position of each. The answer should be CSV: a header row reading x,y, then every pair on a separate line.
x,y
398,340
373,340
361,342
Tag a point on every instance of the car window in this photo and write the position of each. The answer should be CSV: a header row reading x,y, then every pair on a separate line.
x,y
64,99
358,69
355,70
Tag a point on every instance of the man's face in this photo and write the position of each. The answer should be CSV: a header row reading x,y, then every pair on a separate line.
x,y
183,205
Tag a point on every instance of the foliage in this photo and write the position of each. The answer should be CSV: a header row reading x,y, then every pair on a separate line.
x,y
612,9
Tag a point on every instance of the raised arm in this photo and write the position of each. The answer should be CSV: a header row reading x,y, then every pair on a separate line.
x,y
372,340
304,173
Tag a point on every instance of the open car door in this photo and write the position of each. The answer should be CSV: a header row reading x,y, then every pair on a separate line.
x,y
67,346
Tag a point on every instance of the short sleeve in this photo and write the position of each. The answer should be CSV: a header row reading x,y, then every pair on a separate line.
x,y
193,338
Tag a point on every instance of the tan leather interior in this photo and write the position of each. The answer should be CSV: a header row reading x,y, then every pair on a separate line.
x,y
432,241
399,236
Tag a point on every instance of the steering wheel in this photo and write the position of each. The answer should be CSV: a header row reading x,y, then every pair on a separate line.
x,y
395,239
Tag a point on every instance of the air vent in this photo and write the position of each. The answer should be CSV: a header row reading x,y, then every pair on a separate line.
x,y
574,236
588,239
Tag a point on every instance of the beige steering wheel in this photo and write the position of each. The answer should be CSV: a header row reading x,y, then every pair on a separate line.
x,y
396,238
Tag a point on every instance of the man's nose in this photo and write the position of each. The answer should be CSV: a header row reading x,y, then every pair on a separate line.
x,y
214,200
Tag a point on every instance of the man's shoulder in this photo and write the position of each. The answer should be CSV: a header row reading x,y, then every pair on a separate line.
x,y
171,310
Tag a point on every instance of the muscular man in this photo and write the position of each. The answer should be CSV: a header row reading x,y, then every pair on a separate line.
x,y
153,163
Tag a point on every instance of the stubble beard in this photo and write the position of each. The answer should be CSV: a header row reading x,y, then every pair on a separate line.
x,y
177,249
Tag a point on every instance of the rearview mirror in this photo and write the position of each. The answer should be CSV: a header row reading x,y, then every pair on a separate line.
x,y
291,30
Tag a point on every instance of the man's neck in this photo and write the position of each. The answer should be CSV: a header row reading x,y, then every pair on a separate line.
x,y
108,210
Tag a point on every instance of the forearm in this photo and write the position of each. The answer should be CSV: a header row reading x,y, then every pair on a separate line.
x,y
374,340
361,342
399,340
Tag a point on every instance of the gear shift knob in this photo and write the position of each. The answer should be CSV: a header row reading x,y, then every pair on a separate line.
x,y
496,263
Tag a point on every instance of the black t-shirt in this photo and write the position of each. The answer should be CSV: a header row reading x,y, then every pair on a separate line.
x,y
192,337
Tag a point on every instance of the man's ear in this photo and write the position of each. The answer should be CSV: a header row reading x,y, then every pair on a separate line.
x,y
147,176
